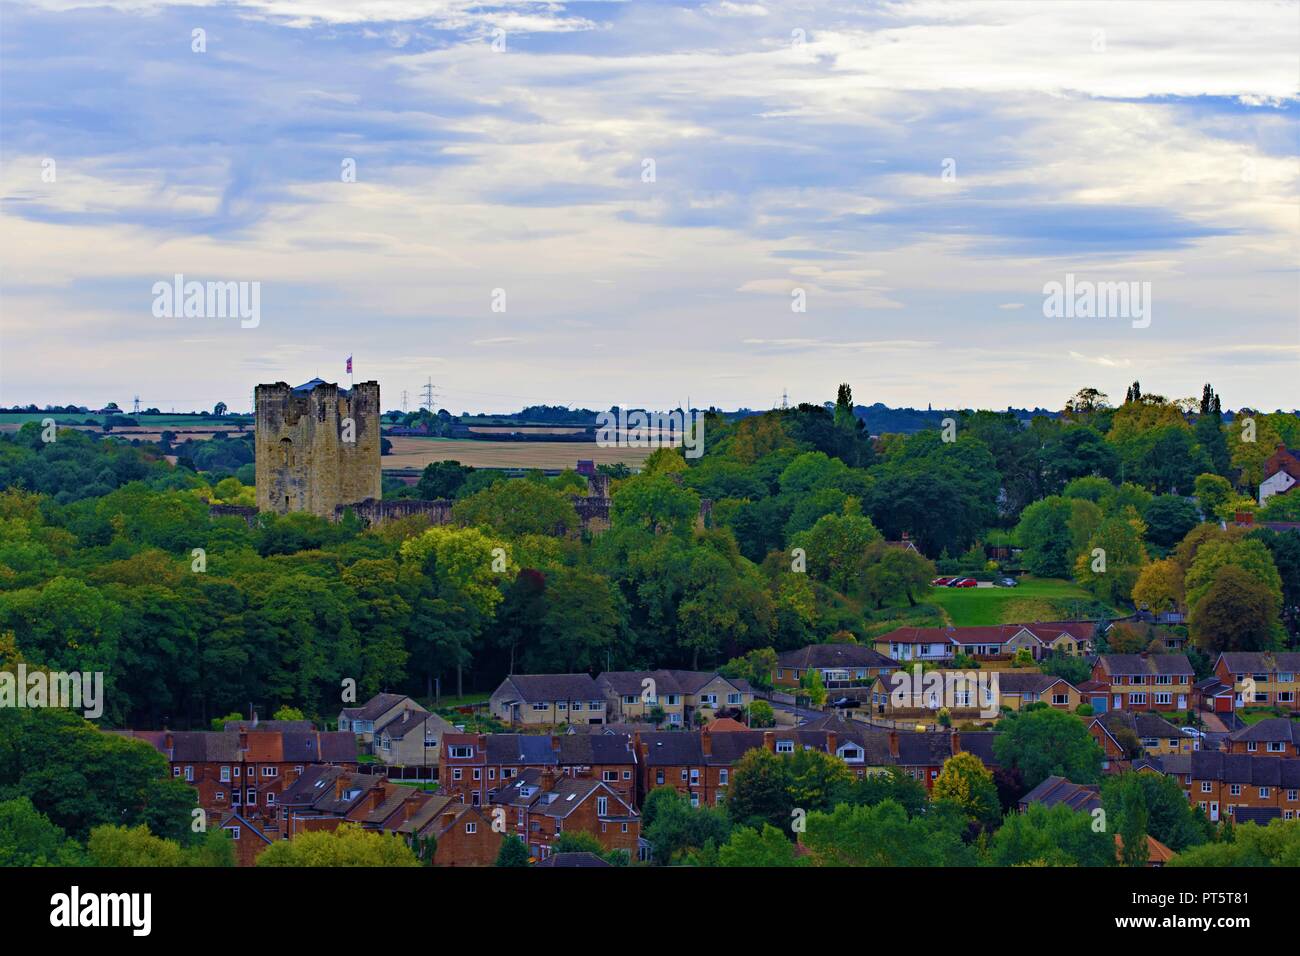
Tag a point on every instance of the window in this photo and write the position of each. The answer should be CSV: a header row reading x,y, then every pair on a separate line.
x,y
233,831
695,799
1137,698
478,774
471,828
602,806
695,777
627,774
629,698
1264,792
1207,786
722,776
596,705
270,799
625,825
176,771
561,705
1251,746
270,771
541,706
492,773
577,705
733,699
1235,790
235,798
221,796
1062,700
683,773
251,799
189,773
1292,795
609,776
460,752
1276,747
225,774
455,773
236,771
1164,698
659,777
785,746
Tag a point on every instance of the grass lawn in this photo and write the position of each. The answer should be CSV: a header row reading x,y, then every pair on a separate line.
x,y
1035,599
1253,715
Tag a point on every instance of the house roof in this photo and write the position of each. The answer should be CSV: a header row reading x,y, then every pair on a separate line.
x,y
1259,815
590,749
1271,730
834,655
412,720
549,687
1160,664
250,726
1054,790
374,708
522,748
1157,852
1235,768
724,725
1245,662
233,817
1028,682
1141,723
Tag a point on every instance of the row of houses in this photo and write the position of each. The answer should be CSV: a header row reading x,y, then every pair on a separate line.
x,y
477,768
681,697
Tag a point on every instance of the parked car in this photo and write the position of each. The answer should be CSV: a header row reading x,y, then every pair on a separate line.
x,y
963,583
1006,582
940,582
1199,734
846,702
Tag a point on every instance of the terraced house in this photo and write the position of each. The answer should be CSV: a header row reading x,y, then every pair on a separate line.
x,y
548,700
246,770
1223,783
1143,682
685,698
473,766
1261,678
541,805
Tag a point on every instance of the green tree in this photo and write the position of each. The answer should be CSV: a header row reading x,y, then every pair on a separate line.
x,y
752,848
1044,743
1277,844
1057,836
966,782
28,838
517,507
349,845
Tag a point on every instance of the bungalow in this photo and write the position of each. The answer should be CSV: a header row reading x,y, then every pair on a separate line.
x,y
842,666
1145,681
991,643
548,700
1261,677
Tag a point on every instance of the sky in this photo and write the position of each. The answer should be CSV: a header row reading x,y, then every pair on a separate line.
x,y
598,203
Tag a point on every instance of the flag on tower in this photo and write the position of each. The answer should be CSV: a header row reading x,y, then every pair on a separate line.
x,y
349,364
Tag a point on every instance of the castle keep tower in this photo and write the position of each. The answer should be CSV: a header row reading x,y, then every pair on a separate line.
x,y
305,460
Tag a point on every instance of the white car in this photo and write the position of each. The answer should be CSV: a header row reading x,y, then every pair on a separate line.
x,y
1192,731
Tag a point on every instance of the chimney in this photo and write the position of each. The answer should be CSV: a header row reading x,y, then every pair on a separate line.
x,y
706,743
170,744
338,786
555,743
893,744
832,741
769,741
955,740
1244,517
243,740
377,796
548,778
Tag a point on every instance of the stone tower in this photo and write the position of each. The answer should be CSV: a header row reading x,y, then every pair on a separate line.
x,y
317,446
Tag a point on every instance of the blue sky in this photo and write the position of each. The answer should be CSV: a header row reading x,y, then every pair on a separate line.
x,y
796,146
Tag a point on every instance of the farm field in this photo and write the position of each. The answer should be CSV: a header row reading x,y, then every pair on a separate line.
x,y
1036,599
170,422
417,452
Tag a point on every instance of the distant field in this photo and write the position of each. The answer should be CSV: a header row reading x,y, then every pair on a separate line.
x,y
1041,599
525,429
418,452
146,421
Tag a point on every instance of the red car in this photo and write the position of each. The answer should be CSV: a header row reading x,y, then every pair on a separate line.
x,y
940,582
962,583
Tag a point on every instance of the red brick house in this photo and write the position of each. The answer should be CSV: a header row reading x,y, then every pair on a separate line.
x,y
1144,681
540,806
